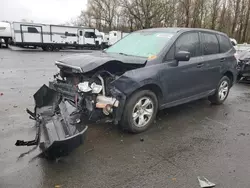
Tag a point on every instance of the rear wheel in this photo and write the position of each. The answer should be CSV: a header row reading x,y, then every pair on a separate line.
x,y
140,111
49,48
56,48
221,92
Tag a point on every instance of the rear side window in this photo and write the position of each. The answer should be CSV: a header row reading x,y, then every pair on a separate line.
x,y
188,42
225,44
210,44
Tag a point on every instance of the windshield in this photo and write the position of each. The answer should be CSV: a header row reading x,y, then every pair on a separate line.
x,y
143,44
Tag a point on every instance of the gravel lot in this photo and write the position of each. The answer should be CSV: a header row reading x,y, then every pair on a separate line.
x,y
187,141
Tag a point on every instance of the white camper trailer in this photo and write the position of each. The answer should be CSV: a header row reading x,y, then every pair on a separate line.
x,y
53,37
5,33
114,36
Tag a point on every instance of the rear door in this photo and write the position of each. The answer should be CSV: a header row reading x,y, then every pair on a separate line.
x,y
31,33
211,60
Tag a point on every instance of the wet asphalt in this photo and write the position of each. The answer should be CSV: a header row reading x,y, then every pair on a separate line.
x,y
195,139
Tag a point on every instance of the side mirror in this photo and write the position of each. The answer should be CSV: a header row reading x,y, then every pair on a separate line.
x,y
182,56
233,43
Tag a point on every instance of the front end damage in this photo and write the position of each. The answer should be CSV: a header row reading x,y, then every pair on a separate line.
x,y
72,101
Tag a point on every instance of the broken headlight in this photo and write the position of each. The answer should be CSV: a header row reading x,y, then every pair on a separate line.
x,y
85,87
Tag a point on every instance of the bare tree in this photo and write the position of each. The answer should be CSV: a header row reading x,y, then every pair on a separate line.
x,y
104,11
246,22
236,7
229,16
214,12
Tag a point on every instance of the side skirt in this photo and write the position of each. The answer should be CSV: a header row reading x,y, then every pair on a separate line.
x,y
188,99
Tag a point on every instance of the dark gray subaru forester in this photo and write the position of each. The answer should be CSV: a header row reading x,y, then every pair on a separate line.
x,y
129,82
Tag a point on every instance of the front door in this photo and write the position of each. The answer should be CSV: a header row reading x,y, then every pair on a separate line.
x,y
184,78
31,33
80,37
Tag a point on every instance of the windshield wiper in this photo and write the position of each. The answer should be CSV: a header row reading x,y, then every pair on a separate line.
x,y
124,54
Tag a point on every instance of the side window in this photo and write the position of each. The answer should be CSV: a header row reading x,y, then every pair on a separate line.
x,y
70,34
188,42
89,35
80,33
225,44
210,44
32,30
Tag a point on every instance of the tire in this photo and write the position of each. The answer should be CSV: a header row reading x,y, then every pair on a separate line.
x,y
239,77
220,96
56,49
49,48
144,116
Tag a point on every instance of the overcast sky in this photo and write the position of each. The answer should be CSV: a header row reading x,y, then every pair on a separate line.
x,y
41,11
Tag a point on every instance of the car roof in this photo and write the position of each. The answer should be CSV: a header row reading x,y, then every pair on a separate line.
x,y
179,29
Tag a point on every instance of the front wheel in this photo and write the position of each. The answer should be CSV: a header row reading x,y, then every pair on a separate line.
x,y
221,92
140,111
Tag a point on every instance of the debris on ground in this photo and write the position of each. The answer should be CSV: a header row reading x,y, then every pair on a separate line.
x,y
241,134
142,139
1,94
204,182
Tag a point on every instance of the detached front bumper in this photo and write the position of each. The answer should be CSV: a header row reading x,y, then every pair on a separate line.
x,y
59,126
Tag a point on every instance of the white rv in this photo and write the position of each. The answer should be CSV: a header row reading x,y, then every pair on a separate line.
x,y
53,37
115,36
5,33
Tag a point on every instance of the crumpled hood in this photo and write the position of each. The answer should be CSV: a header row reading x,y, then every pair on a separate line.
x,y
89,61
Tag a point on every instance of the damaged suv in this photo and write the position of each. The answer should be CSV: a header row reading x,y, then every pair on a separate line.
x,y
129,82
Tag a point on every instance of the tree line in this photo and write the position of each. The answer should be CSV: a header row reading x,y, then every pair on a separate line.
x,y
228,16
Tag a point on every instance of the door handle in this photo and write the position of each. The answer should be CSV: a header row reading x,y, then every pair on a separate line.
x,y
222,59
199,65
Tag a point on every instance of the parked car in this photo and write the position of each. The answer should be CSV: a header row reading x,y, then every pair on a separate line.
x,y
244,66
129,82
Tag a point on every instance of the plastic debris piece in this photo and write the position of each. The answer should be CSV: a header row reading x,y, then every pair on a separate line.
x,y
204,182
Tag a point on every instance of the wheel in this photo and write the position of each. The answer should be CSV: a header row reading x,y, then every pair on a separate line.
x,y
239,77
56,49
6,43
49,48
221,92
140,111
